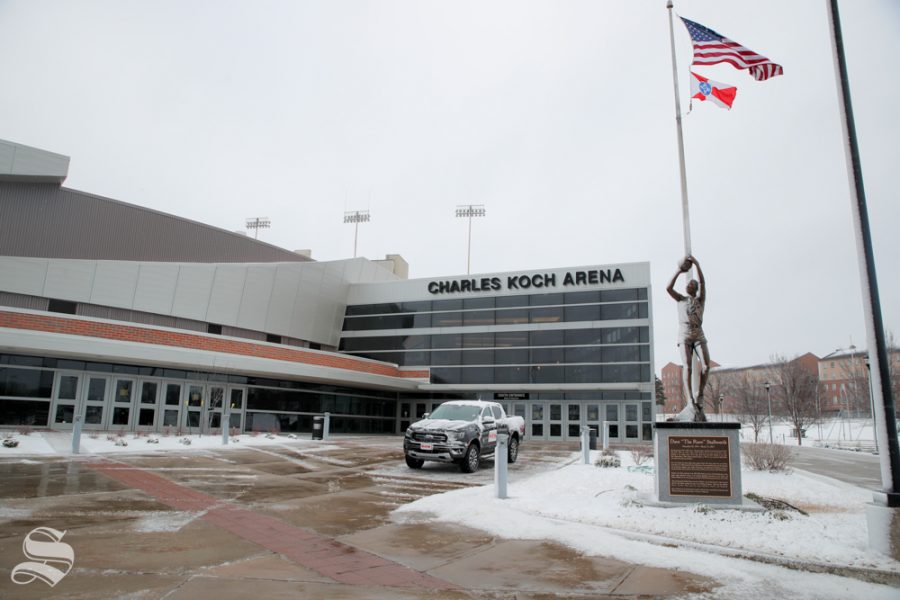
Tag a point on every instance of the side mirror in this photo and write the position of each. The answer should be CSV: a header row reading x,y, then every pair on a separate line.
x,y
488,420
426,415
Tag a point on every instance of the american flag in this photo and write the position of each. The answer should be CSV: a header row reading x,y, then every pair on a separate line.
x,y
711,48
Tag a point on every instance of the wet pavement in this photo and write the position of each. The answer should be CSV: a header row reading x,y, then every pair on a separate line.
x,y
288,520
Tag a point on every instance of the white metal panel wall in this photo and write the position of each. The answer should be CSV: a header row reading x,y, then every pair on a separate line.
x,y
281,302
227,289
192,291
114,283
155,292
254,306
23,275
70,280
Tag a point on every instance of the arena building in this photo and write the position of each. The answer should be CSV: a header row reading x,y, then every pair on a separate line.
x,y
139,320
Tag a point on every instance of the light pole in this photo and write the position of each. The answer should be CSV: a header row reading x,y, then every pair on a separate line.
x,y
470,210
257,223
769,400
356,217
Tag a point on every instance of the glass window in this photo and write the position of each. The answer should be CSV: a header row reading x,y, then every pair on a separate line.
x,y
518,356
506,301
421,320
511,316
120,415
146,416
123,391
537,412
148,393
421,409
478,340
454,304
543,374
65,413
173,394
621,373
631,432
511,374
93,415
195,396
631,412
25,383
613,354
477,375
511,339
545,299
574,412
447,319
574,430
613,430
584,354
446,340
418,306
583,337
556,412
584,374
547,315
478,303
486,412
612,412
537,430
618,295
216,396
68,387
628,310
445,375
555,430
478,357
237,399
478,317
498,413
96,390
519,410
590,312
547,355
547,337
646,411
647,432
591,297
593,412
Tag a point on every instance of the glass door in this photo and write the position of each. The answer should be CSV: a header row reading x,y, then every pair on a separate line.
x,y
556,421
612,422
592,417
537,421
573,421
632,424
66,400
194,408
214,410
147,406
171,407
236,408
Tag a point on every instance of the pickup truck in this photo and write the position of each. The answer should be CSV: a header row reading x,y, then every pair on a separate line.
x,y
462,432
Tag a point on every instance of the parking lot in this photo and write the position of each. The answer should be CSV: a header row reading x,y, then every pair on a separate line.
x,y
293,519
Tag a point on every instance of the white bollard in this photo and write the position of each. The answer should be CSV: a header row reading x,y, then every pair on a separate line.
x,y
585,444
326,426
500,454
606,435
226,423
76,435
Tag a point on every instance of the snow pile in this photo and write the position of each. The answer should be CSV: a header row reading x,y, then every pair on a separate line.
x,y
608,512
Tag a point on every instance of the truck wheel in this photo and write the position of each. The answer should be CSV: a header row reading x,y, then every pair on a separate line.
x,y
471,460
513,453
414,463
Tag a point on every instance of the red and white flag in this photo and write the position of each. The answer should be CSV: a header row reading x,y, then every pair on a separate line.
x,y
720,94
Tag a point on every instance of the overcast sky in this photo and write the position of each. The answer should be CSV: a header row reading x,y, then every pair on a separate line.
x,y
558,116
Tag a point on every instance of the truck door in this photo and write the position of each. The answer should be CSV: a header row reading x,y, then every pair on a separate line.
x,y
489,431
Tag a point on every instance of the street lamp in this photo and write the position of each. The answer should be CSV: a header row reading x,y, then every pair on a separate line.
x,y
470,210
257,223
769,400
356,217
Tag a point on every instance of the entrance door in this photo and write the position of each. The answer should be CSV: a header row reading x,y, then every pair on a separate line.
x,y
67,401
538,431
573,421
194,407
122,405
612,420
214,410
632,422
171,406
556,421
148,399
236,407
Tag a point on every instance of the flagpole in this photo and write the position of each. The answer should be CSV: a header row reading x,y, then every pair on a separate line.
x,y
685,213
879,376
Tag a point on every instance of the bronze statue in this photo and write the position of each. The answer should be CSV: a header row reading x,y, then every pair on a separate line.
x,y
691,340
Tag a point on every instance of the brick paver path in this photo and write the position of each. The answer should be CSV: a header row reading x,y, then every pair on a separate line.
x,y
341,562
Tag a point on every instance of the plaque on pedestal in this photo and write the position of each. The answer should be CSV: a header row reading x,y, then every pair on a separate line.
x,y
698,462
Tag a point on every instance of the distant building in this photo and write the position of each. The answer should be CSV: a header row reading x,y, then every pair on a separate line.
x,y
844,382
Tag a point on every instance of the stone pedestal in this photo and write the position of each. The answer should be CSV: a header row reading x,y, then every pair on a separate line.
x,y
698,463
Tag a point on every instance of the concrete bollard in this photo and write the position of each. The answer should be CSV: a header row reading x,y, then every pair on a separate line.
x,y
585,444
326,426
500,456
76,435
606,435
226,424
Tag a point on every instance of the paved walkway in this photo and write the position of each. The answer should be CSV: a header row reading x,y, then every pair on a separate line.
x,y
341,562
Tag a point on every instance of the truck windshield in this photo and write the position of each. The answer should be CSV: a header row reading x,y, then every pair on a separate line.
x,y
455,412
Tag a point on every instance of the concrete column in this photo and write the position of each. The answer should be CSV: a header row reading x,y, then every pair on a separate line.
x,y
585,444
500,466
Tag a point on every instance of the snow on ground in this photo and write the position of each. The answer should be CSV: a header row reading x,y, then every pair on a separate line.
x,y
608,512
59,443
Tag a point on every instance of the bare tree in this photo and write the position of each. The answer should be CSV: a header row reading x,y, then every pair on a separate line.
x,y
795,386
715,392
751,402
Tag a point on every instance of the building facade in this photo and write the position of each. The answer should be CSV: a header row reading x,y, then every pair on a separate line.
x,y
168,324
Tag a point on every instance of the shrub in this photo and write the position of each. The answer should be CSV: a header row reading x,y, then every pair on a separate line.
x,y
233,431
23,429
94,435
167,431
608,460
641,454
767,457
